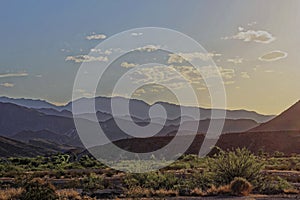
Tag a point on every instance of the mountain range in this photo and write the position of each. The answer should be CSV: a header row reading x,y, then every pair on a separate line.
x,y
281,133
51,128
138,108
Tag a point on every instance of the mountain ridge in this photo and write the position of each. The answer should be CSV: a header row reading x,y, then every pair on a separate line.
x,y
286,121
105,107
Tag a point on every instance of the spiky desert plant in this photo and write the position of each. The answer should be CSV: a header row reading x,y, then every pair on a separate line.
x,y
227,165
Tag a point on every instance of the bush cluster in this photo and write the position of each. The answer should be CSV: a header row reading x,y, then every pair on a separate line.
x,y
226,166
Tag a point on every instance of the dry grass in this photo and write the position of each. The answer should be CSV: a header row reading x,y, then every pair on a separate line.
x,y
71,194
291,191
138,192
10,194
240,187
197,192
165,193
68,194
215,191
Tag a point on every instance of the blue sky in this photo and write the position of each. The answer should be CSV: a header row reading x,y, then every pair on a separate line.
x,y
37,36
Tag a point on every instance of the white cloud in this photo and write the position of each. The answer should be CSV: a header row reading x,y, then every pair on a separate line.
x,y
139,92
235,60
210,72
149,48
102,52
177,77
273,56
181,57
128,65
227,73
229,82
240,28
86,58
95,36
136,34
245,75
164,75
8,85
7,75
259,36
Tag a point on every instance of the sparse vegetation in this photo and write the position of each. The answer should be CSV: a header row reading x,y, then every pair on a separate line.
x,y
92,182
152,180
226,166
234,172
68,194
38,189
274,185
11,193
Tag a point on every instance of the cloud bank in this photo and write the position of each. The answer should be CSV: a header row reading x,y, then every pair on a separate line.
x,y
182,57
259,36
86,58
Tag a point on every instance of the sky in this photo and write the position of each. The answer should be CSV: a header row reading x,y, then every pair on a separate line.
x,y
255,44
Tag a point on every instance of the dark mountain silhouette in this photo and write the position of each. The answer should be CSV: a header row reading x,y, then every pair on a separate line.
x,y
287,121
39,133
13,148
51,111
288,143
14,119
27,136
52,146
230,125
269,141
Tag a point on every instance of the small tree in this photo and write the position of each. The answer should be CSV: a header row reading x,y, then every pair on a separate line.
x,y
225,166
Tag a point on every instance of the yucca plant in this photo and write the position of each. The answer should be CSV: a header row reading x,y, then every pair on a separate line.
x,y
227,165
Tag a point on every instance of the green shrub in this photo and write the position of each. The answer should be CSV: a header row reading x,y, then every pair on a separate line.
x,y
225,166
278,154
196,180
152,180
273,185
93,182
241,187
37,189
